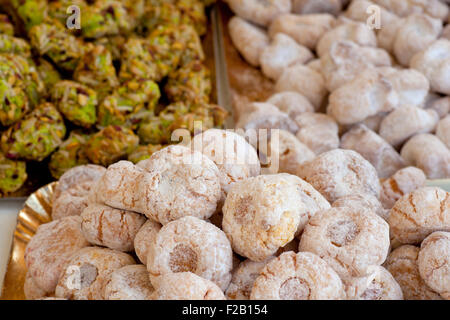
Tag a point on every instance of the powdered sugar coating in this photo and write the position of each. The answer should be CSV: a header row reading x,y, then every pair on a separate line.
x,y
186,286
70,195
243,279
235,158
318,131
362,201
145,238
88,272
304,80
282,53
51,248
292,103
301,276
339,173
306,29
191,245
402,264
346,59
259,12
420,213
434,262
264,213
248,39
402,182
374,149
112,228
129,283
403,123
376,284
349,239
429,153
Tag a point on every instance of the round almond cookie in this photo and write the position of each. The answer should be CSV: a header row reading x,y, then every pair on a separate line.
x,y
145,238
76,176
339,173
420,213
243,279
402,264
348,239
129,283
191,245
112,228
301,276
51,248
434,262
258,12
71,193
377,284
186,183
236,159
404,181
186,286
264,213
88,272
362,201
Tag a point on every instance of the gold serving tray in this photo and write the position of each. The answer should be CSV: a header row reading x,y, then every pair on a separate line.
x,y
36,211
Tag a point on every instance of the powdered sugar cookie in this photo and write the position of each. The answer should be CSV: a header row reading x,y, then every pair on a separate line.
x,y
377,284
434,262
258,12
429,153
420,213
301,276
292,103
112,228
282,53
88,272
191,245
402,264
339,173
51,248
349,239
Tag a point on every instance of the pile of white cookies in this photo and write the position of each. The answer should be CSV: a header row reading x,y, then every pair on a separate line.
x,y
343,81
186,224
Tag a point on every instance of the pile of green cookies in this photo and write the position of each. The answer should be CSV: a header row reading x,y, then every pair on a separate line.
x,y
114,89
